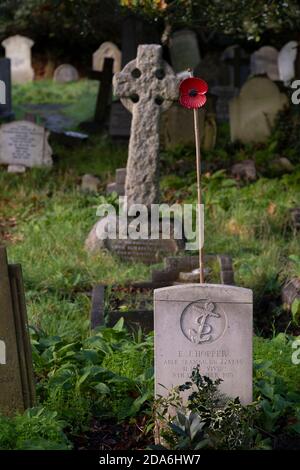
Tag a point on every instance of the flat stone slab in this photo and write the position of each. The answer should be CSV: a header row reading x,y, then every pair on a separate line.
x,y
209,325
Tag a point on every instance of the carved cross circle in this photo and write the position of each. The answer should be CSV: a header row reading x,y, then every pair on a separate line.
x,y
147,79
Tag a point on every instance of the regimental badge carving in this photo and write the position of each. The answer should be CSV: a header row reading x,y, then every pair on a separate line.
x,y
203,321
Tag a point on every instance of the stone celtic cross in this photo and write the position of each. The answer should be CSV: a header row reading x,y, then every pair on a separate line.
x,y
147,86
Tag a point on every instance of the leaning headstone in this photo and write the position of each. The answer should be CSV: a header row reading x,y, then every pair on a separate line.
x,y
17,390
6,112
184,50
104,96
65,73
286,61
24,144
253,112
18,50
107,50
209,325
265,61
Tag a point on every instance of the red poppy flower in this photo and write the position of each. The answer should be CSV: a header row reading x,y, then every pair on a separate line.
x,y
192,92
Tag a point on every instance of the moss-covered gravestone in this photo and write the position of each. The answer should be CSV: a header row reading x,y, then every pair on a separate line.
x,y
17,391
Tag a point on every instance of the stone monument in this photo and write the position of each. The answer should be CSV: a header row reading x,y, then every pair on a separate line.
x,y
209,325
18,50
24,144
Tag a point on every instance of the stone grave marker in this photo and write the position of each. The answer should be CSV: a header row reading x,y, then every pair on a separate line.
x,y
104,96
184,50
24,143
18,50
147,86
65,73
119,185
253,112
286,61
17,391
135,31
265,61
209,325
6,112
239,67
107,50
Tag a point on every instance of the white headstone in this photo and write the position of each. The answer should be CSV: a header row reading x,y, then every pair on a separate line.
x,y
286,61
253,112
265,61
24,143
18,50
65,73
208,325
107,50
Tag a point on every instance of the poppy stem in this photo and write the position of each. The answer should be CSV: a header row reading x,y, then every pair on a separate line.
x,y
198,165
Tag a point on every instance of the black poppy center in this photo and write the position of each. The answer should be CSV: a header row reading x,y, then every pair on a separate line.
x,y
193,92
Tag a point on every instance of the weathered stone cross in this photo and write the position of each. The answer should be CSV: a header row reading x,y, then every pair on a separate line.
x,y
147,86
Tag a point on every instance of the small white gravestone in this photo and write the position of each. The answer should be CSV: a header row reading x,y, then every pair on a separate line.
x,y
253,112
65,73
265,61
18,50
107,50
24,143
2,353
208,325
286,61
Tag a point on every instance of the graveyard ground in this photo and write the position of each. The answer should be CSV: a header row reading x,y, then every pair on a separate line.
x,y
96,390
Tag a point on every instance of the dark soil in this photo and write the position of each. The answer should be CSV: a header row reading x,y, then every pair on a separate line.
x,y
114,436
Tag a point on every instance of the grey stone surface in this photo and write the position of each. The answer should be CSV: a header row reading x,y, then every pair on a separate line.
x,y
253,112
107,50
18,50
16,169
286,61
90,183
147,86
177,126
16,377
207,325
290,292
265,61
244,170
184,50
24,143
65,73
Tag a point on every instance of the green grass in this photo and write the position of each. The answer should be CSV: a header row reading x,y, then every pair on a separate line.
x,y
78,98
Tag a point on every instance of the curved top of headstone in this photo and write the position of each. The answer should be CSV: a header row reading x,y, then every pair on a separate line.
x,y
191,292
264,61
16,40
184,50
286,61
260,88
148,76
65,73
107,50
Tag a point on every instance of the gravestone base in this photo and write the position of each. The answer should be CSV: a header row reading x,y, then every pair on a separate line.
x,y
149,251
